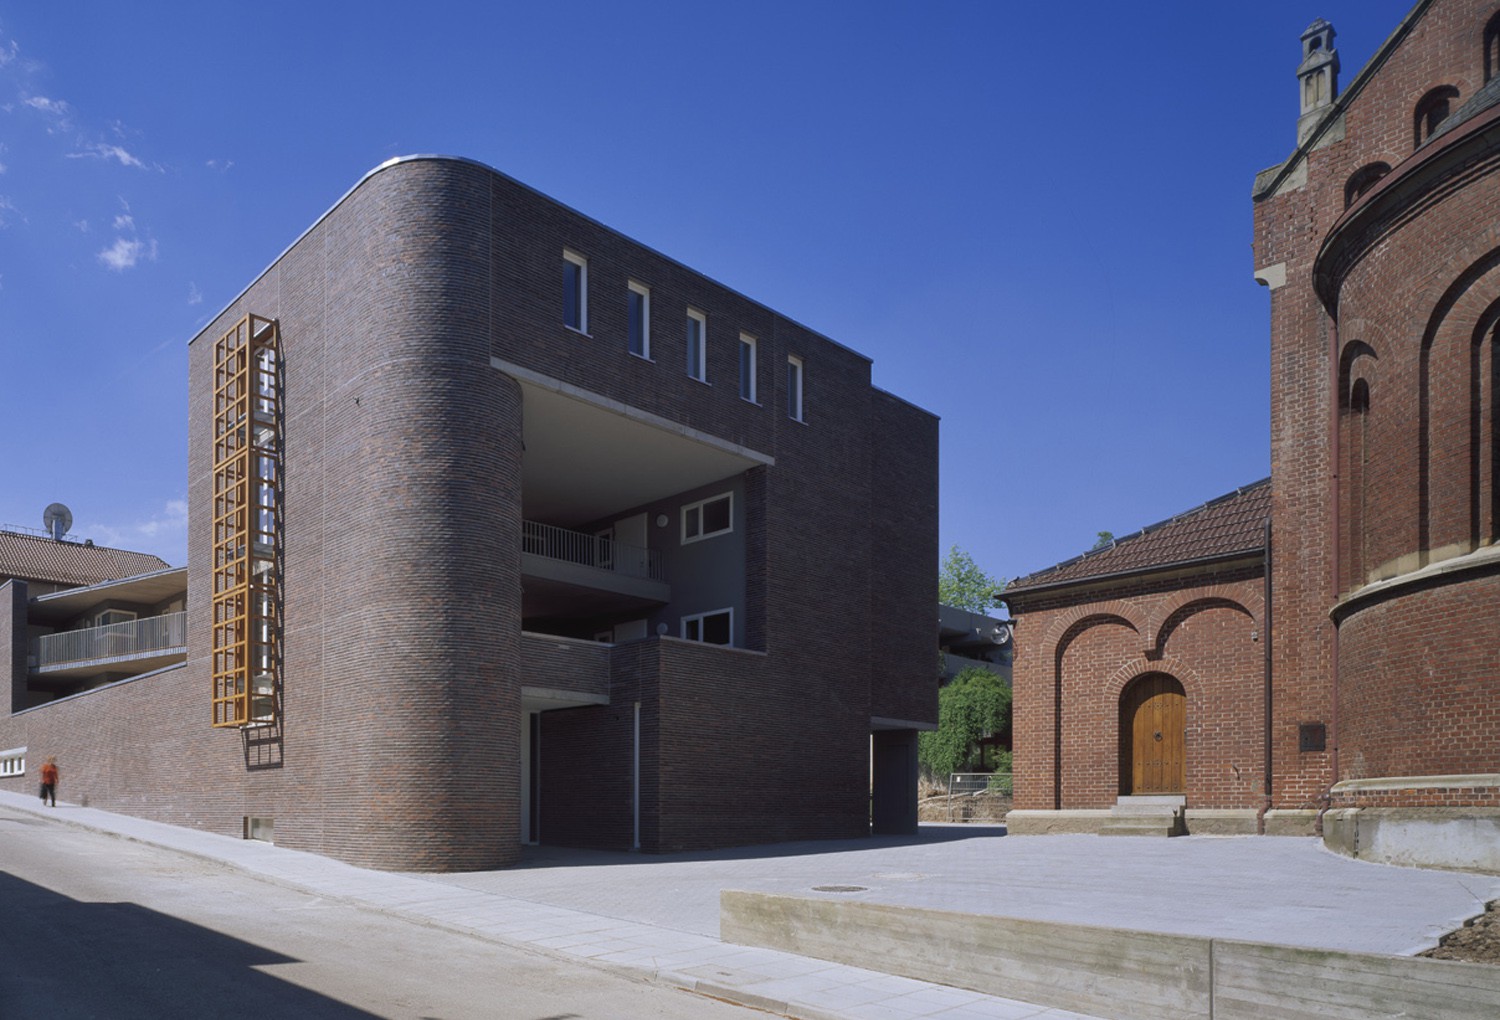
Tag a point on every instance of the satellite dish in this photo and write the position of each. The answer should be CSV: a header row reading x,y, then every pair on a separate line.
x,y
57,519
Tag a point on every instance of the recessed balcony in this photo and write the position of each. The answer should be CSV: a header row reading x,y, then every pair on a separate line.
x,y
144,645
569,573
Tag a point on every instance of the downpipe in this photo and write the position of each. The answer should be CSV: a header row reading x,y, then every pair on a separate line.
x,y
1335,454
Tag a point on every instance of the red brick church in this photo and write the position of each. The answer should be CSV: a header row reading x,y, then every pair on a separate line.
x,y
1319,652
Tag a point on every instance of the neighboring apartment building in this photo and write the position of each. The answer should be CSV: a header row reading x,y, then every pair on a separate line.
x,y
75,617
1378,241
506,529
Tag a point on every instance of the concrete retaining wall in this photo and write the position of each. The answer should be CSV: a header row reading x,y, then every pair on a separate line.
x,y
1466,839
1112,972
1199,822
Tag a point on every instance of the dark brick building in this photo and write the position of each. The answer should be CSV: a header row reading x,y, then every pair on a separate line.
x,y
545,537
1379,240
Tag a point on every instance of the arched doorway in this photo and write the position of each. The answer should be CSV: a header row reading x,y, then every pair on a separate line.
x,y
1153,727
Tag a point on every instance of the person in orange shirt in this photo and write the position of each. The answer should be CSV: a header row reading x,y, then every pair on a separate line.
x,y
49,780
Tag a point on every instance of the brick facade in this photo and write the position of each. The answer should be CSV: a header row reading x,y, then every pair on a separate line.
x,y
1383,424
419,321
1379,239
1087,632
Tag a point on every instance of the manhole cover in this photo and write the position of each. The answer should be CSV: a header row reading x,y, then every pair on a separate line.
x,y
838,888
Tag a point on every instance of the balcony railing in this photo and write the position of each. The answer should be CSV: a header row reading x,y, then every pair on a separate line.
x,y
113,641
591,551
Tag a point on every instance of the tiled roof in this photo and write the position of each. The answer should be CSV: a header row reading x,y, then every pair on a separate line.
x,y
1231,524
35,558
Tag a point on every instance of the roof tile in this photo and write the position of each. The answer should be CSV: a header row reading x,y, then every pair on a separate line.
x,y
1233,523
34,558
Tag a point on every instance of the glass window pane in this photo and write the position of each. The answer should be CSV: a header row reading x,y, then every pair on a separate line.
x,y
637,323
572,294
716,629
716,516
694,348
747,370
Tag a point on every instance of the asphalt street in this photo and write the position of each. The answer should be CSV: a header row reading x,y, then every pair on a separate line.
x,y
97,926
531,941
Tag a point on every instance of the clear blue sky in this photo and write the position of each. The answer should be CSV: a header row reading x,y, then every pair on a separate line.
x,y
1035,218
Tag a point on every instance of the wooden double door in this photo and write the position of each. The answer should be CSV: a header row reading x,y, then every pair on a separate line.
x,y
1153,736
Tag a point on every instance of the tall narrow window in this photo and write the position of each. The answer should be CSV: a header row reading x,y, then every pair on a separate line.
x,y
697,345
747,367
640,320
1492,48
794,387
575,291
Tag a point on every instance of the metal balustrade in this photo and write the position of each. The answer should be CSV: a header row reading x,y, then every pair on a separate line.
x,y
112,641
591,551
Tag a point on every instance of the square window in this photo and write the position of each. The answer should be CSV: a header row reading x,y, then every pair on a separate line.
x,y
697,345
794,388
707,518
716,628
575,291
747,367
640,320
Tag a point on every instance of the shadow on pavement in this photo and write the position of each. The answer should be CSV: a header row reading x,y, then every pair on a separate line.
x,y
65,958
547,856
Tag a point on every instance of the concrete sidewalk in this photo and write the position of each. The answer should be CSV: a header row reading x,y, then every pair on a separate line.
x,y
656,917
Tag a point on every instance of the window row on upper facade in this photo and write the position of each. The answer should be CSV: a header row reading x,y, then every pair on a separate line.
x,y
1436,106
1438,103
575,302
1456,459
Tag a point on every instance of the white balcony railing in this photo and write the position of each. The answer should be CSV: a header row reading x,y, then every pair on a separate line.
x,y
116,640
591,551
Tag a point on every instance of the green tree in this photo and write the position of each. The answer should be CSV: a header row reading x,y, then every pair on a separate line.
x,y
975,704
1106,539
962,584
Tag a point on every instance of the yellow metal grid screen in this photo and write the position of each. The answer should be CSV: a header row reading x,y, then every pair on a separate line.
x,y
246,523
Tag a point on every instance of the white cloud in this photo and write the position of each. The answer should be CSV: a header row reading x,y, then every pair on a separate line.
x,y
9,53
195,296
126,252
8,211
163,534
56,107
174,516
102,150
124,222
219,164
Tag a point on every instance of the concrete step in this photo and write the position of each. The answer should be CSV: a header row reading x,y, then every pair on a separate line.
x,y
1141,827
1146,816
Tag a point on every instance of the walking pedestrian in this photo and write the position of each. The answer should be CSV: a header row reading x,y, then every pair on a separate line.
x,y
49,780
